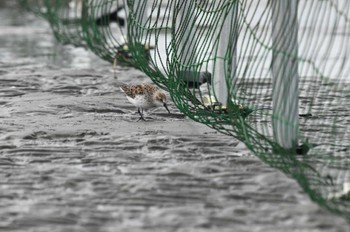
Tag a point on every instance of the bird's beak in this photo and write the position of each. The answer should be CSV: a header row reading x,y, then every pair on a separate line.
x,y
166,107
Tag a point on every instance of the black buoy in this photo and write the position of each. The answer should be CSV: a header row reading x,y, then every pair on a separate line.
x,y
105,20
195,79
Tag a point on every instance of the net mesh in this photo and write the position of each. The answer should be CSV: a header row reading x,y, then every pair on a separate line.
x,y
273,74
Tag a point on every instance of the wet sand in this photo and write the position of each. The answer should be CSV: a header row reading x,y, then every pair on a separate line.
x,y
73,157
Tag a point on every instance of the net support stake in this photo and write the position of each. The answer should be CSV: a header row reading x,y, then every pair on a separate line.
x,y
186,27
285,77
226,68
140,8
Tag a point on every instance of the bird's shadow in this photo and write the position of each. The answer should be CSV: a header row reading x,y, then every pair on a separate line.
x,y
171,115
154,117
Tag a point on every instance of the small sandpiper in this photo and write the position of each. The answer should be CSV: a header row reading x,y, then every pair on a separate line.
x,y
144,96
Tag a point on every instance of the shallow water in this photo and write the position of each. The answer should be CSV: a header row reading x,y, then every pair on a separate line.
x,y
73,157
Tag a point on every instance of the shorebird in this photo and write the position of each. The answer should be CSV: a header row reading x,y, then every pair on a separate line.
x,y
144,96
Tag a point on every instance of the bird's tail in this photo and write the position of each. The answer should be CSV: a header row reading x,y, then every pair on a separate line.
x,y
124,88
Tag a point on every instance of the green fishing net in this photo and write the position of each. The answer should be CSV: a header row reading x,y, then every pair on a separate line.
x,y
273,74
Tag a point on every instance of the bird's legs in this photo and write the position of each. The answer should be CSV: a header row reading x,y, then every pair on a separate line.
x,y
140,111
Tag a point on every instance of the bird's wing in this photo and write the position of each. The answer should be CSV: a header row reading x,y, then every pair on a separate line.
x,y
132,90
149,87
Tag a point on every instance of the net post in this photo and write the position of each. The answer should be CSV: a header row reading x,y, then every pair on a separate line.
x,y
185,24
139,12
226,68
285,77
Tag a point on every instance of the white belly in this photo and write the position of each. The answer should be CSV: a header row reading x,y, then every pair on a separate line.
x,y
141,102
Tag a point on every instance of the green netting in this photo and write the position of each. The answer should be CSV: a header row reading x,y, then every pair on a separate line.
x,y
64,17
104,26
273,74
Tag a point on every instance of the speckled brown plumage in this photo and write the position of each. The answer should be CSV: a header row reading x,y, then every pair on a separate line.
x,y
144,96
133,90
